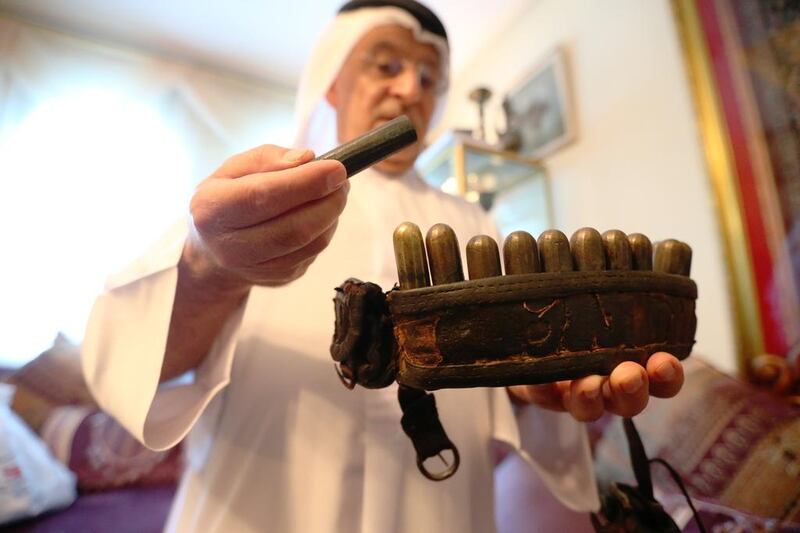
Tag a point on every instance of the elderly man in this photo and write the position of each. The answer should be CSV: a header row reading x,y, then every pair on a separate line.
x,y
240,295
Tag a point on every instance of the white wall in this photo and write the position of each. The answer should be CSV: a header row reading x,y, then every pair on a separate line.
x,y
637,164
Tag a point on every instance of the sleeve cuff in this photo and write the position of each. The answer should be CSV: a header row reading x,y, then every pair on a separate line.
x,y
123,350
176,408
555,445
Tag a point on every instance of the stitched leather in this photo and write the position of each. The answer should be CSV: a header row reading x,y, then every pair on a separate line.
x,y
536,328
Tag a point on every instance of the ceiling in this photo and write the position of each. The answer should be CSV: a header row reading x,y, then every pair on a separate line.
x,y
266,40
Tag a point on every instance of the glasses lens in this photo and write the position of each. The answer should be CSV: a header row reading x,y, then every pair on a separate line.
x,y
389,67
384,66
428,77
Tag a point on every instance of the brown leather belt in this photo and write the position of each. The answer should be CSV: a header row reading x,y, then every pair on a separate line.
x,y
522,328
537,328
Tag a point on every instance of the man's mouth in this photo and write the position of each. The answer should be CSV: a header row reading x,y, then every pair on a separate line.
x,y
383,120
386,118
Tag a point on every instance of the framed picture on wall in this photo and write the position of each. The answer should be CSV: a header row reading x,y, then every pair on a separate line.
x,y
742,62
538,109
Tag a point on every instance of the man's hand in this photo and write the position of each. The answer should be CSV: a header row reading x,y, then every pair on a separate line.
x,y
625,392
263,217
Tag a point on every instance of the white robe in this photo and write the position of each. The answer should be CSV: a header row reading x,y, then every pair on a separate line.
x,y
276,442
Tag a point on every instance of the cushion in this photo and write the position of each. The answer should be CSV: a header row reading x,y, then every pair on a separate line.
x,y
103,455
53,398
55,376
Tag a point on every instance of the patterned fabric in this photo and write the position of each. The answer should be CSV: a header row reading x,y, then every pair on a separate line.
x,y
103,455
737,449
740,448
90,443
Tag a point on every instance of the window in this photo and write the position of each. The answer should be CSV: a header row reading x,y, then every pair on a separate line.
x,y
87,181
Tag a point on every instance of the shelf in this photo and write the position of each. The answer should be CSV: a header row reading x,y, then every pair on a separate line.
x,y
513,188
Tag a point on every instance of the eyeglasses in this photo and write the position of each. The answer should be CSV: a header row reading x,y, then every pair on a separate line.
x,y
386,66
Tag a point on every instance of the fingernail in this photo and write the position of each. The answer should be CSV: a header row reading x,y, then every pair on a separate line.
x,y
665,372
632,384
346,186
295,155
337,178
591,394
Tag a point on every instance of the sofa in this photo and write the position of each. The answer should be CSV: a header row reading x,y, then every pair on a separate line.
x,y
122,486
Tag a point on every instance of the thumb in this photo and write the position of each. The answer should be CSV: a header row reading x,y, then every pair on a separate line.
x,y
264,158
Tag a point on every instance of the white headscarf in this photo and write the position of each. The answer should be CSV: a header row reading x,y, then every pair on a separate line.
x,y
315,118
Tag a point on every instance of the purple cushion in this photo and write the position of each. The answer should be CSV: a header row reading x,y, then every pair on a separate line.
x,y
103,455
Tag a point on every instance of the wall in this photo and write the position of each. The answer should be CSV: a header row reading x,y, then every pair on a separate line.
x,y
637,164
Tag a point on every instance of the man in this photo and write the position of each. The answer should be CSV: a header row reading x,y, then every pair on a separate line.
x,y
241,295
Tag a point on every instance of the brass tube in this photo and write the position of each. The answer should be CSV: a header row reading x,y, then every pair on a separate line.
x,y
554,251
641,251
587,250
444,255
374,146
409,254
483,257
520,254
618,250
673,257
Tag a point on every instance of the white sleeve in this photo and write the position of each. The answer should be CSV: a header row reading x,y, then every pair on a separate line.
x,y
554,444
124,344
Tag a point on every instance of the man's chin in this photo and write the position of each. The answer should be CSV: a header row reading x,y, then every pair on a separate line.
x,y
399,162
395,166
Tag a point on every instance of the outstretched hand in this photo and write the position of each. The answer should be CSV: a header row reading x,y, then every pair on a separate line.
x,y
260,219
625,392
263,217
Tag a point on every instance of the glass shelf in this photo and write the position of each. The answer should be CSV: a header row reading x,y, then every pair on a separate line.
x,y
511,187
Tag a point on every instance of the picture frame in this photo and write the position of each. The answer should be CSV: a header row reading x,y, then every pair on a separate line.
x,y
538,109
746,91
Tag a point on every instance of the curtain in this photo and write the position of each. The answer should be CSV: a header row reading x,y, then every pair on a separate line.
x,y
100,148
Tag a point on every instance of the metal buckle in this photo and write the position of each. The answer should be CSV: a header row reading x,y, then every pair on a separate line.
x,y
444,474
348,382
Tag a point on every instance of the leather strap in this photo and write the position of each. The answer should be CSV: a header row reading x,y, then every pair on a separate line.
x,y
641,467
523,287
422,425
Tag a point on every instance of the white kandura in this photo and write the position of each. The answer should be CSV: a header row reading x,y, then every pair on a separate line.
x,y
275,442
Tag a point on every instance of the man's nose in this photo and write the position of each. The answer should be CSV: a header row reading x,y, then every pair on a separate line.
x,y
407,85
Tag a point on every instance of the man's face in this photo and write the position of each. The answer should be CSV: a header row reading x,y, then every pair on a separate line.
x,y
387,74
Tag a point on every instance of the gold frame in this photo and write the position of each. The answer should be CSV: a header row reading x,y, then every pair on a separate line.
x,y
721,170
